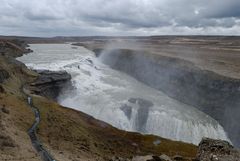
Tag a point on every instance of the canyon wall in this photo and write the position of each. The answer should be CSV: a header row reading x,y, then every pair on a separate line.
x,y
216,95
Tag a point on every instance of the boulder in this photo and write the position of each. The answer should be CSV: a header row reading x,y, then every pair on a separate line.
x,y
219,150
142,158
164,157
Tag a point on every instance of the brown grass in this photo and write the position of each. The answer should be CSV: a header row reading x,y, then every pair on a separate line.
x,y
72,132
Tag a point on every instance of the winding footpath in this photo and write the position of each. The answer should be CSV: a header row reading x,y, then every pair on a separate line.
x,y
32,133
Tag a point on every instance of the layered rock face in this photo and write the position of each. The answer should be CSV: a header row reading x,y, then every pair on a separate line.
x,y
13,48
213,94
50,84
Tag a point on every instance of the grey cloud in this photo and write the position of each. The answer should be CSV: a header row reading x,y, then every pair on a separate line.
x,y
41,17
111,17
223,9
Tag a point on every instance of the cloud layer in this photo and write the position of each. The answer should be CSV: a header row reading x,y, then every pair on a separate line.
x,y
119,17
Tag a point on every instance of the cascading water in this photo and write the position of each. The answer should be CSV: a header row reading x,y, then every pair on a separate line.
x,y
119,99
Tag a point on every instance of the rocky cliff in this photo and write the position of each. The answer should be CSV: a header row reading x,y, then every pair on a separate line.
x,y
49,83
13,48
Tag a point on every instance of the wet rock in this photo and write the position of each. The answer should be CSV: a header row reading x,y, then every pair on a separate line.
x,y
89,61
127,111
132,100
141,102
142,112
141,119
50,84
219,150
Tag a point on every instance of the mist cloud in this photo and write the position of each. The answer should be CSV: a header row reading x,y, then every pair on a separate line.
x,y
119,17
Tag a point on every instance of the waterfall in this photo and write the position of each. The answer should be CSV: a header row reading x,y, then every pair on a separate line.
x,y
119,99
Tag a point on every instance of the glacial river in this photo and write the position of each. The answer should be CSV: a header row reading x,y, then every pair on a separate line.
x,y
119,99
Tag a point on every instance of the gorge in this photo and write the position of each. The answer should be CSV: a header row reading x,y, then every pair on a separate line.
x,y
122,100
215,95
107,85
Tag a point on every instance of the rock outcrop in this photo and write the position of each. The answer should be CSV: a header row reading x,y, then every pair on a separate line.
x,y
50,83
13,48
217,150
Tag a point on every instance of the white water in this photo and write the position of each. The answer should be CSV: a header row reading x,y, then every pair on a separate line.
x,y
103,92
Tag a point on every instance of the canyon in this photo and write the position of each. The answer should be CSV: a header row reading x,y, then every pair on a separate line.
x,y
198,72
69,134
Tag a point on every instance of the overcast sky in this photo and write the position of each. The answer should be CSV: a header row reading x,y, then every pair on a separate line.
x,y
119,17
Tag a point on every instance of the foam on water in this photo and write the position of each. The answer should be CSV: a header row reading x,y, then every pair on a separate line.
x,y
119,99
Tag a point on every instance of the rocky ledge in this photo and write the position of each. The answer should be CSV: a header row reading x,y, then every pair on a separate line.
x,y
13,48
50,83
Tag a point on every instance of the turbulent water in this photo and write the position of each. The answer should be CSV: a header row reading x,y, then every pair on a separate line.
x,y
119,99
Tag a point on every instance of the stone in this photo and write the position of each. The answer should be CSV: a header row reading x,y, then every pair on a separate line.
x,y
50,83
164,157
217,150
142,158
177,158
